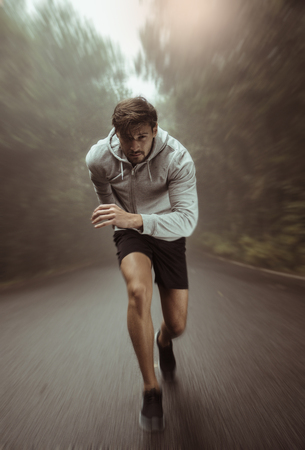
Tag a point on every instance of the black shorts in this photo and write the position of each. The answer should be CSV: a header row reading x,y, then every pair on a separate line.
x,y
167,257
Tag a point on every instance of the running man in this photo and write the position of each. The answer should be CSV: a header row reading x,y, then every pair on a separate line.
x,y
145,181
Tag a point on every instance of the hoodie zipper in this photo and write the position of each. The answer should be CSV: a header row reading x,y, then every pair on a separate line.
x,y
133,172
132,182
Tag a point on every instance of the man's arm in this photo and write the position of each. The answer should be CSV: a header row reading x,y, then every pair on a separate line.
x,y
102,188
108,213
97,174
182,219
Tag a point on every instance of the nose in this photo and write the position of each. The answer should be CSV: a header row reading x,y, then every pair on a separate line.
x,y
134,145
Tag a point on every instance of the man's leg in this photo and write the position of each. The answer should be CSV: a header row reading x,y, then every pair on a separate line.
x,y
136,269
174,306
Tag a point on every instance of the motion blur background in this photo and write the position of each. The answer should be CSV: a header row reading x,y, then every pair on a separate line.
x,y
228,81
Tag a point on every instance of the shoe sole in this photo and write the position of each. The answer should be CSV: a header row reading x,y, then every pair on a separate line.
x,y
169,377
152,425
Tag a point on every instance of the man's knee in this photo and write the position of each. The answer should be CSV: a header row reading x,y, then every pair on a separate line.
x,y
177,327
139,297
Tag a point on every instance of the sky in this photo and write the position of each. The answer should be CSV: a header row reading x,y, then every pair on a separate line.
x,y
120,20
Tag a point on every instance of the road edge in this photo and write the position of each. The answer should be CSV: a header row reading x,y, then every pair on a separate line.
x,y
238,263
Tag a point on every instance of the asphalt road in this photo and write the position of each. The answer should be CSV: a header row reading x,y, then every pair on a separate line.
x,y
69,378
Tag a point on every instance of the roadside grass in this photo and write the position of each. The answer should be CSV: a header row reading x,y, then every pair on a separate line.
x,y
280,253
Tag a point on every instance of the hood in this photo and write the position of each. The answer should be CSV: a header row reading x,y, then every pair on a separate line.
x,y
159,143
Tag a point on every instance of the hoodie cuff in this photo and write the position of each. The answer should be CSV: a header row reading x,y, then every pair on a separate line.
x,y
149,224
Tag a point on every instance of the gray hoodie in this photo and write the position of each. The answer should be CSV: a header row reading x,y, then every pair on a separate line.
x,y
162,188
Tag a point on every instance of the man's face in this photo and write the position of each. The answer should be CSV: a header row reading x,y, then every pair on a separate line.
x,y
137,148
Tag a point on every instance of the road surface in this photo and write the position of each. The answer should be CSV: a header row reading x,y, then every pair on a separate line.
x,y
69,378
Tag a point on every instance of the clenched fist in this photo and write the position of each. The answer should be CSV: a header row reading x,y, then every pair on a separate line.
x,y
112,214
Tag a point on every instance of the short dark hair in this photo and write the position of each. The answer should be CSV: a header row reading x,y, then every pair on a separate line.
x,y
131,113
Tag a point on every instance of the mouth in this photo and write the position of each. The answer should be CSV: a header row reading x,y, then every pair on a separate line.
x,y
136,154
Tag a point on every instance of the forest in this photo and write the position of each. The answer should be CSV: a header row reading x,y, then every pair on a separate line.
x,y
233,79
231,83
59,82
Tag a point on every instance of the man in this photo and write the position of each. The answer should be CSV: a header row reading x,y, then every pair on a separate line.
x,y
145,181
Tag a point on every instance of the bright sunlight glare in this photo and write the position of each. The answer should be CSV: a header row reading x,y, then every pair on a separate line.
x,y
120,20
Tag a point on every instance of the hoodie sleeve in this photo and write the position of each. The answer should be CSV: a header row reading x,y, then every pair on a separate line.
x,y
182,219
101,184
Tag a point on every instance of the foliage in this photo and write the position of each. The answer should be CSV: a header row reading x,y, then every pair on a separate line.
x,y
59,80
220,245
269,251
233,76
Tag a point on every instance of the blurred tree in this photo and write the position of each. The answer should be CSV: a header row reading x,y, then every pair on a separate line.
x,y
59,82
234,77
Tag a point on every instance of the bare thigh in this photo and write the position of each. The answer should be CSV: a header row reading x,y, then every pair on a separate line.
x,y
136,270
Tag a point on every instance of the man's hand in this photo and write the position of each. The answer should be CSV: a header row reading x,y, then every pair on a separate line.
x,y
112,214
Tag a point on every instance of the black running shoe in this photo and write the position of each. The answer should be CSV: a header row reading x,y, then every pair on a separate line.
x,y
167,362
151,415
